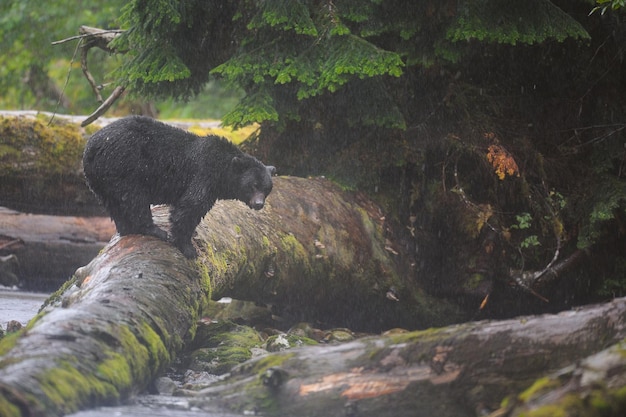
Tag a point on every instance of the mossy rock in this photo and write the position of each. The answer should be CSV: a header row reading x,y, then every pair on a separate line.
x,y
222,346
280,342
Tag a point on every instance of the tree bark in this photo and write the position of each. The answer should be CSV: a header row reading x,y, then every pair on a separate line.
x,y
50,248
322,254
465,370
105,338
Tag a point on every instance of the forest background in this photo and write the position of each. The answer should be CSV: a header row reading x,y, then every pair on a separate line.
x,y
491,132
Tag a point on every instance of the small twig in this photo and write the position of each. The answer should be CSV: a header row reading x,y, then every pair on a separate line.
x,y
90,37
85,68
86,35
67,80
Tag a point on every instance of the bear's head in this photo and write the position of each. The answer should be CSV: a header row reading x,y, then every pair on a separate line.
x,y
250,181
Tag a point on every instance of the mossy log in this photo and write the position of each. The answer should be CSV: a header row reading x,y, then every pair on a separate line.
x,y
40,166
322,254
525,366
317,253
106,339
314,249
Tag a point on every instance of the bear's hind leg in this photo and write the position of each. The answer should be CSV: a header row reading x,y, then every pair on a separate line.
x,y
135,219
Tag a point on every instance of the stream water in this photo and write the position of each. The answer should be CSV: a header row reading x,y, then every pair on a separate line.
x,y
19,305
22,306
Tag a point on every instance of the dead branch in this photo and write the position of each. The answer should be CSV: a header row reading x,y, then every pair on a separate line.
x,y
88,33
96,38
104,106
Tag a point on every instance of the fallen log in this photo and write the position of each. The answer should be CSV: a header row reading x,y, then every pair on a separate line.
x,y
122,318
103,341
323,255
315,253
47,248
464,370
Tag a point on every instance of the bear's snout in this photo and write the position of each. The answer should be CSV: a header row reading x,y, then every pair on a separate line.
x,y
257,201
257,205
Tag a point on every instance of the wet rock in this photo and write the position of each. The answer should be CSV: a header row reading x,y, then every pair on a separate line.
x,y
13,326
284,341
198,380
339,335
223,345
165,385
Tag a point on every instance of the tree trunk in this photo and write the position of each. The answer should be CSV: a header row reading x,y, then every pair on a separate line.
x,y
320,253
48,249
464,370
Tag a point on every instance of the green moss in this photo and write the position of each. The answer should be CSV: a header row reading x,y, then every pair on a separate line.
x,y
155,345
221,359
7,343
225,345
58,294
205,278
598,402
218,262
270,361
419,335
237,229
540,385
294,250
116,371
8,409
505,403
230,334
474,281
68,388
276,343
297,341
53,149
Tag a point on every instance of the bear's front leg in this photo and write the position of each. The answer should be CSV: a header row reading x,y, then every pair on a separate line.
x,y
184,219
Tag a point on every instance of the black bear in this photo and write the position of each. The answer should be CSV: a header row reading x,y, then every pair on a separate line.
x,y
137,161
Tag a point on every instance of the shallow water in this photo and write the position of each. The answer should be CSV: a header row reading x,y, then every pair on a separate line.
x,y
153,406
19,305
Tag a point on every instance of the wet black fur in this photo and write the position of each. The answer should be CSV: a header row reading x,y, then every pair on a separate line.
x,y
137,161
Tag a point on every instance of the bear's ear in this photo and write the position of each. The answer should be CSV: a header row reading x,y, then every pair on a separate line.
x,y
238,163
271,170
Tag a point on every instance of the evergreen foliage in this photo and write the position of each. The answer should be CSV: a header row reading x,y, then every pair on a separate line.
x,y
314,47
503,21
364,89
463,117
